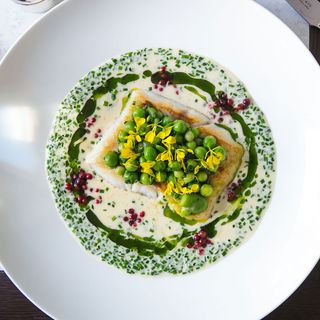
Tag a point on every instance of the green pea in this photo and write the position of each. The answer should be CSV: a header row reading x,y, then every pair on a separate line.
x,y
178,174
191,164
189,136
142,159
221,150
156,140
202,176
206,190
146,179
185,212
152,112
130,177
160,148
195,203
179,126
122,160
199,141
191,145
166,120
143,129
159,115
161,176
195,132
132,166
209,142
111,159
160,166
200,152
179,138
188,178
142,145
122,136
129,126
139,113
171,178
150,153
174,166
120,170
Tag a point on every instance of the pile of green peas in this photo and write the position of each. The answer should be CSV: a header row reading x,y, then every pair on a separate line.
x,y
187,137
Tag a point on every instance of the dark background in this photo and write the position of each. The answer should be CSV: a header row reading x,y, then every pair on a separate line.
x,y
304,304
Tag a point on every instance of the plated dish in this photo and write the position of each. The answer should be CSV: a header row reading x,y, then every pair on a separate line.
x,y
160,161
43,258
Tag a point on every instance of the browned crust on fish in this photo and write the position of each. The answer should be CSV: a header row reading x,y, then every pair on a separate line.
x,y
174,109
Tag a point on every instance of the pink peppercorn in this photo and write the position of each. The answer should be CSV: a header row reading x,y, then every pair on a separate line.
x,y
142,214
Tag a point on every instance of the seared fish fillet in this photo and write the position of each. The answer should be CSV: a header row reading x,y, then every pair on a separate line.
x,y
109,141
219,180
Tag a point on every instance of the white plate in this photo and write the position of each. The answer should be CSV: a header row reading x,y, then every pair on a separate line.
x,y
37,250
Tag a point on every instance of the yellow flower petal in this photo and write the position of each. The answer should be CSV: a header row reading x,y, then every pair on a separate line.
x,y
169,188
196,169
127,153
165,156
146,167
150,136
169,141
164,133
139,122
180,155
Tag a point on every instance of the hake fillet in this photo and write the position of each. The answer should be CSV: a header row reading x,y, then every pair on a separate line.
x,y
109,140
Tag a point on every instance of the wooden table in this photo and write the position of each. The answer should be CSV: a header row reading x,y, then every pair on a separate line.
x,y
304,304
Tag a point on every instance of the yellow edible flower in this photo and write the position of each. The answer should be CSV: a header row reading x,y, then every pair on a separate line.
x,y
169,188
150,135
130,140
164,133
213,159
196,169
139,122
127,153
165,156
184,190
146,167
212,162
169,141
180,154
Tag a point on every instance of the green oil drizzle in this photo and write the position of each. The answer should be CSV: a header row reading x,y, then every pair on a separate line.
x,y
196,92
144,246
73,149
233,216
112,83
87,110
233,134
177,218
253,158
184,78
210,228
